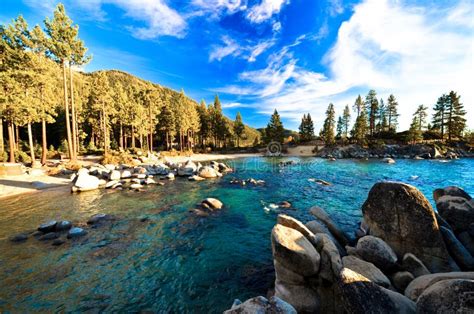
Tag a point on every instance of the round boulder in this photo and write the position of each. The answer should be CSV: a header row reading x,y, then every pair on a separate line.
x,y
377,252
447,296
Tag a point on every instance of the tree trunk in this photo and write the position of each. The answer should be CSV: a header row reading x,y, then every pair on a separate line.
x,y
141,141
125,140
121,135
104,130
73,114
167,140
32,147
133,136
17,133
44,151
68,123
2,143
11,141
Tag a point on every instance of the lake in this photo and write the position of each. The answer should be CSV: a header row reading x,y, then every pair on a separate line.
x,y
157,256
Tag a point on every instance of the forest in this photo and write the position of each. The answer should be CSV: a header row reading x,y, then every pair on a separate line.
x,y
46,99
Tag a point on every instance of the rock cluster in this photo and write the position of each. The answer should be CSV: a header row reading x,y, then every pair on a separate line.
x,y
406,258
207,206
122,176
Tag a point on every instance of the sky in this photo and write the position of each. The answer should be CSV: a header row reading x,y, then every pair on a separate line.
x,y
293,55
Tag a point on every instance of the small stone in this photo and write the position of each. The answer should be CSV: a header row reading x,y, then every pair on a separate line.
x,y
58,242
21,237
213,203
76,232
47,226
63,225
49,236
402,279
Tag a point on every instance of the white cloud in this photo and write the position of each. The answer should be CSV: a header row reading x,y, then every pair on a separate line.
x,y
234,105
335,7
265,10
158,17
216,8
386,46
230,47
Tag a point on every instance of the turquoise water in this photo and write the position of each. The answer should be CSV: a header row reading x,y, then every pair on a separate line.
x,y
174,261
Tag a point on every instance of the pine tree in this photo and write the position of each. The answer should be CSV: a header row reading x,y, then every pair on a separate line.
x,y
327,132
381,117
274,130
204,120
340,127
358,105
414,133
360,129
421,116
306,128
456,123
372,107
166,124
102,103
346,119
239,128
440,114
63,44
392,113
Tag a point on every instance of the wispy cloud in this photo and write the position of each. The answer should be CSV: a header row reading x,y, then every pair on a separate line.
x,y
384,45
231,47
265,10
235,105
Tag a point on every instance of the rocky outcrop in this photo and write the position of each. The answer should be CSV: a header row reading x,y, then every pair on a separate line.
x,y
400,215
460,254
456,207
447,296
376,251
412,264
420,284
366,269
261,305
335,230
402,279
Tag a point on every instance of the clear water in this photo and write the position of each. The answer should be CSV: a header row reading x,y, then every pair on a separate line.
x,y
175,261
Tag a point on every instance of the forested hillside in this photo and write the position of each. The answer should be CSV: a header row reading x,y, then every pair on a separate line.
x,y
45,99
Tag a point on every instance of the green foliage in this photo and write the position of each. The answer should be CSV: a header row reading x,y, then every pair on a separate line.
x,y
392,113
346,120
372,107
327,133
274,130
239,128
306,129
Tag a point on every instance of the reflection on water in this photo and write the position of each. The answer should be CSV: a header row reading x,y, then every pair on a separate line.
x,y
157,256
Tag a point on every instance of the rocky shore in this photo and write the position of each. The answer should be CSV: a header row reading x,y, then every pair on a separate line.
x,y
420,151
406,258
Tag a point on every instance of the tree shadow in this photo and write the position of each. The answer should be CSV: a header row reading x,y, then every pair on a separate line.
x,y
38,185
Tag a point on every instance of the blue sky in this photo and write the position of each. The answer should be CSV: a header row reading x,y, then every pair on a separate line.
x,y
293,55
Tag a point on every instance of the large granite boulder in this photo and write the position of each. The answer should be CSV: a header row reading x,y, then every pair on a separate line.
x,y
451,191
420,284
301,297
335,230
294,251
447,296
460,254
188,169
366,269
86,182
261,305
457,211
360,295
208,172
400,214
376,251
412,264
318,227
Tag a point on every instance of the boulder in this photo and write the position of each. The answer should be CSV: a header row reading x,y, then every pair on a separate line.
x,y
208,172
447,296
377,252
170,176
321,214
63,225
317,227
188,169
48,226
294,251
126,174
149,181
388,160
360,295
111,184
420,284
284,204
86,182
400,214
98,218
331,263
457,211
366,269
412,264
286,275
136,186
261,305
115,175
402,279
460,254
196,178
468,241
451,191
293,223
49,236
302,298
21,237
213,203
76,232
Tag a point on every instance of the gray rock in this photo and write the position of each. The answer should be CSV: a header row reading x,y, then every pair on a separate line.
x,y
317,227
468,241
376,251
420,284
49,236
451,191
213,203
402,279
286,275
76,232
366,269
360,295
260,305
447,296
319,213
48,226
292,250
98,218
21,237
460,254
412,264
208,173
457,211
331,263
86,182
63,225
302,298
400,214
293,223
126,174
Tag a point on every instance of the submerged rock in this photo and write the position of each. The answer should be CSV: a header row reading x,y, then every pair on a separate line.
x,y
76,232
260,305
213,203
49,236
48,226
400,215
21,237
